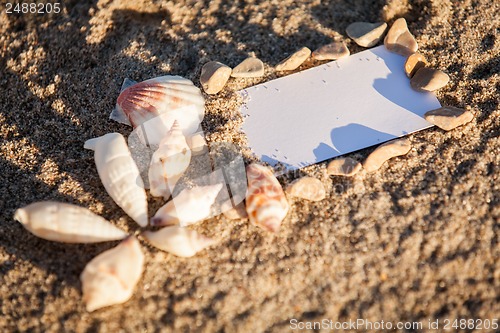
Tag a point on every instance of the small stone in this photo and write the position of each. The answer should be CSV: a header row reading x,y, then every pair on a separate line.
x,y
366,34
333,51
343,167
197,144
385,152
214,76
294,60
250,67
413,63
234,212
308,188
399,39
448,117
429,79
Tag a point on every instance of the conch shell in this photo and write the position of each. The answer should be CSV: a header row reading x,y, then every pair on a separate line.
x,y
61,222
119,175
110,278
179,241
265,201
190,206
156,103
169,162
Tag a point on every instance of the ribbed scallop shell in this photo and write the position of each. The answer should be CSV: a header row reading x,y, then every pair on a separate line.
x,y
190,206
164,99
119,175
67,223
169,162
265,201
110,278
179,241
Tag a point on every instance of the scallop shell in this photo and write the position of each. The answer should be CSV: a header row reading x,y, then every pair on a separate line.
x,y
119,175
179,241
190,206
110,278
156,103
265,201
61,222
169,163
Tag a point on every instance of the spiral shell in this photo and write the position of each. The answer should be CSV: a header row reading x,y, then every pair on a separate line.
x,y
190,206
119,175
265,201
179,241
169,162
61,222
110,278
156,103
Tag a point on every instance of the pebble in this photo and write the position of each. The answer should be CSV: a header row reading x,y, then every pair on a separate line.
x,y
250,67
294,60
343,167
429,79
399,39
448,117
413,63
385,152
233,212
332,51
366,34
214,76
308,188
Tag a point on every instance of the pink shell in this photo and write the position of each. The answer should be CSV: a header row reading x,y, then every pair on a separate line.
x,y
266,203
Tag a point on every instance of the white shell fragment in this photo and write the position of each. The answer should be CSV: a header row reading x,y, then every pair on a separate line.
x,y
190,206
169,163
265,201
308,188
110,278
61,222
385,152
119,175
179,241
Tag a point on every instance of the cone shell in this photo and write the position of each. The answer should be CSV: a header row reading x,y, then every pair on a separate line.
x,y
169,163
110,278
61,222
119,175
190,206
266,203
149,99
179,241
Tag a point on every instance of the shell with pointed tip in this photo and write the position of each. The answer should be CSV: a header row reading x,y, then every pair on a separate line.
x,y
169,163
119,175
61,222
172,95
179,241
190,206
110,278
265,201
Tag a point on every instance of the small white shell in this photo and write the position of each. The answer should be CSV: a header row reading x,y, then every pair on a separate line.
x,y
160,100
265,201
179,241
61,222
119,175
190,206
169,163
110,278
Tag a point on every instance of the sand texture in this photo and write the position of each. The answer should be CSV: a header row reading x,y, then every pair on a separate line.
x,y
416,240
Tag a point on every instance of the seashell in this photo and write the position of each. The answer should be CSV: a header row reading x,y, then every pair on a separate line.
x,y
308,188
119,175
179,241
61,222
110,278
265,201
169,162
190,206
156,103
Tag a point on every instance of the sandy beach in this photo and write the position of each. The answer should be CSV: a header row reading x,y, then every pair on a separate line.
x,y
415,241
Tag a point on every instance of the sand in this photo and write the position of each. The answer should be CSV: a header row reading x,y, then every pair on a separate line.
x,y
415,241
